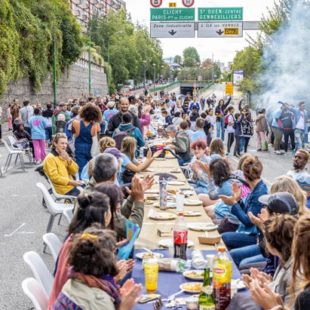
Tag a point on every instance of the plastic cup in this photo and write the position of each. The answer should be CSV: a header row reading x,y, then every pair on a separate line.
x,y
151,275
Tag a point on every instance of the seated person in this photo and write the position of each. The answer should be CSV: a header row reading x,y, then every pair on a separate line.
x,y
60,168
180,143
266,298
23,137
167,118
130,165
199,134
278,233
300,173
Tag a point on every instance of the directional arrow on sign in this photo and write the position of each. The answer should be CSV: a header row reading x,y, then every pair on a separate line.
x,y
172,32
220,32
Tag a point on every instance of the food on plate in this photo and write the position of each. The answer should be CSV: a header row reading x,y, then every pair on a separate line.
x,y
148,255
191,287
194,274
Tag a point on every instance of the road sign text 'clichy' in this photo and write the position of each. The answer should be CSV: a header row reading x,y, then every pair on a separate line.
x,y
169,15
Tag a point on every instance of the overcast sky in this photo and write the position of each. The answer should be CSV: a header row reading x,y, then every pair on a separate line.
x,y
223,49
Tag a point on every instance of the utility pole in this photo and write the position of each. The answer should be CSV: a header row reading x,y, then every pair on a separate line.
x,y
89,71
154,76
212,68
144,74
54,72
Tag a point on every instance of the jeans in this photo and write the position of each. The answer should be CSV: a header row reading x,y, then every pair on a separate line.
x,y
289,134
234,240
244,142
220,129
237,146
245,254
48,134
230,141
299,138
73,192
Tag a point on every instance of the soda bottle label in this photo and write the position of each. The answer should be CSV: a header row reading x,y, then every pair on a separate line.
x,y
207,289
202,307
180,237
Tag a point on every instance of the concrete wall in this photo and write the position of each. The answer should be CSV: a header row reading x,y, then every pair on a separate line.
x,y
72,84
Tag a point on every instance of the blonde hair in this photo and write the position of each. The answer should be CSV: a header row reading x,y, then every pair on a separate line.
x,y
128,147
105,143
287,184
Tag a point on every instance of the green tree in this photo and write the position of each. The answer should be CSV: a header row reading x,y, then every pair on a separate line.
x,y
178,59
191,57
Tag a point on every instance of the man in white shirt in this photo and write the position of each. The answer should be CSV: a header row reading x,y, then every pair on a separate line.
x,y
26,112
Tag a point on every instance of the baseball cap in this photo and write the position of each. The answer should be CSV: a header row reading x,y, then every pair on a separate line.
x,y
280,202
114,151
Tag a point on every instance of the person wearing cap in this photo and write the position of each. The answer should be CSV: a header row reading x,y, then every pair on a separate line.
x,y
180,143
110,112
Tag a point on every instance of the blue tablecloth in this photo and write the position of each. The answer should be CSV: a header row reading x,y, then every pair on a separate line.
x,y
168,282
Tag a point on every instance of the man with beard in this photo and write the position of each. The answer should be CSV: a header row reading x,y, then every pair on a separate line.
x,y
300,173
116,120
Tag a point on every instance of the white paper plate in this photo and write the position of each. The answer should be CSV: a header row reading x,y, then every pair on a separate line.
x,y
162,216
191,213
156,255
192,202
176,183
196,275
167,243
201,226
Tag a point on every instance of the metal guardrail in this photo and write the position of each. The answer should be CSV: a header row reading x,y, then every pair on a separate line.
x,y
164,87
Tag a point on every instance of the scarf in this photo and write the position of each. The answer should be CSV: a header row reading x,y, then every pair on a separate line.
x,y
105,283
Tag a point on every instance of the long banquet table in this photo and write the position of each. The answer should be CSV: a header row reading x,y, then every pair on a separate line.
x,y
169,283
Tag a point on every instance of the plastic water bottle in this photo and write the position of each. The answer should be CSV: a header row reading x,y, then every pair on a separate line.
x,y
179,198
163,194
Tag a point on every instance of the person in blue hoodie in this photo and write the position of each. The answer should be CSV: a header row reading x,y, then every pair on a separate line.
x,y
130,129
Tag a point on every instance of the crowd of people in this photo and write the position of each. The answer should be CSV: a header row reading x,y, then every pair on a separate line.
x,y
98,145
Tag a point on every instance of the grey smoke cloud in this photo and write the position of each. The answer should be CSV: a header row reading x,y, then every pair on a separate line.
x,y
286,57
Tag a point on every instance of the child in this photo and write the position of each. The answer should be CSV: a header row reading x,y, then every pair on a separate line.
x,y
230,123
261,129
237,134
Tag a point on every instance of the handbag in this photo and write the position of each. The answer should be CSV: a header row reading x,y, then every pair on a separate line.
x,y
94,151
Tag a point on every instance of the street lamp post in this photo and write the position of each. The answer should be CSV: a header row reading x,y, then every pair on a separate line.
x,y
144,74
54,72
89,71
154,76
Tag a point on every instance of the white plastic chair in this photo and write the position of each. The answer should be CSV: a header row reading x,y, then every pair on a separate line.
x,y
39,270
54,208
53,243
59,196
27,151
36,293
19,155
68,214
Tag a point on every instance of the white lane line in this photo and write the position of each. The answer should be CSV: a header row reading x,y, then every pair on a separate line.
x,y
15,231
264,179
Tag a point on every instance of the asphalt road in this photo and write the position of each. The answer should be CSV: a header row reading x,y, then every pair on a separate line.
x,y
23,220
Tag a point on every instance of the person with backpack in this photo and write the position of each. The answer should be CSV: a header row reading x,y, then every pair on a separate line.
x,y
230,128
287,119
126,128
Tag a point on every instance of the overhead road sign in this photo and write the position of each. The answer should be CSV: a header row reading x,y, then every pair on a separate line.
x,y
188,3
156,3
220,29
220,14
172,30
172,15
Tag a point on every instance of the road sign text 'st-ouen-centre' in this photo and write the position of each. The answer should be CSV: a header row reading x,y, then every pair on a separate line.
x,y
169,15
220,14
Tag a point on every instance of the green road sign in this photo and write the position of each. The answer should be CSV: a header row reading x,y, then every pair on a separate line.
x,y
167,15
209,14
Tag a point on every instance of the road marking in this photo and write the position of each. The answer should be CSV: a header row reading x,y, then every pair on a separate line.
x,y
15,231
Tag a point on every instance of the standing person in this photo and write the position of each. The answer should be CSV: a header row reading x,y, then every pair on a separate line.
x,y
15,112
61,109
247,129
110,112
26,112
219,113
237,134
84,130
116,120
261,130
9,117
230,128
48,115
287,119
276,128
301,128
145,118
37,126
195,104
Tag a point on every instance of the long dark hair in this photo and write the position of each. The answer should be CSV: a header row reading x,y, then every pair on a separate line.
x,y
220,171
115,195
92,209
